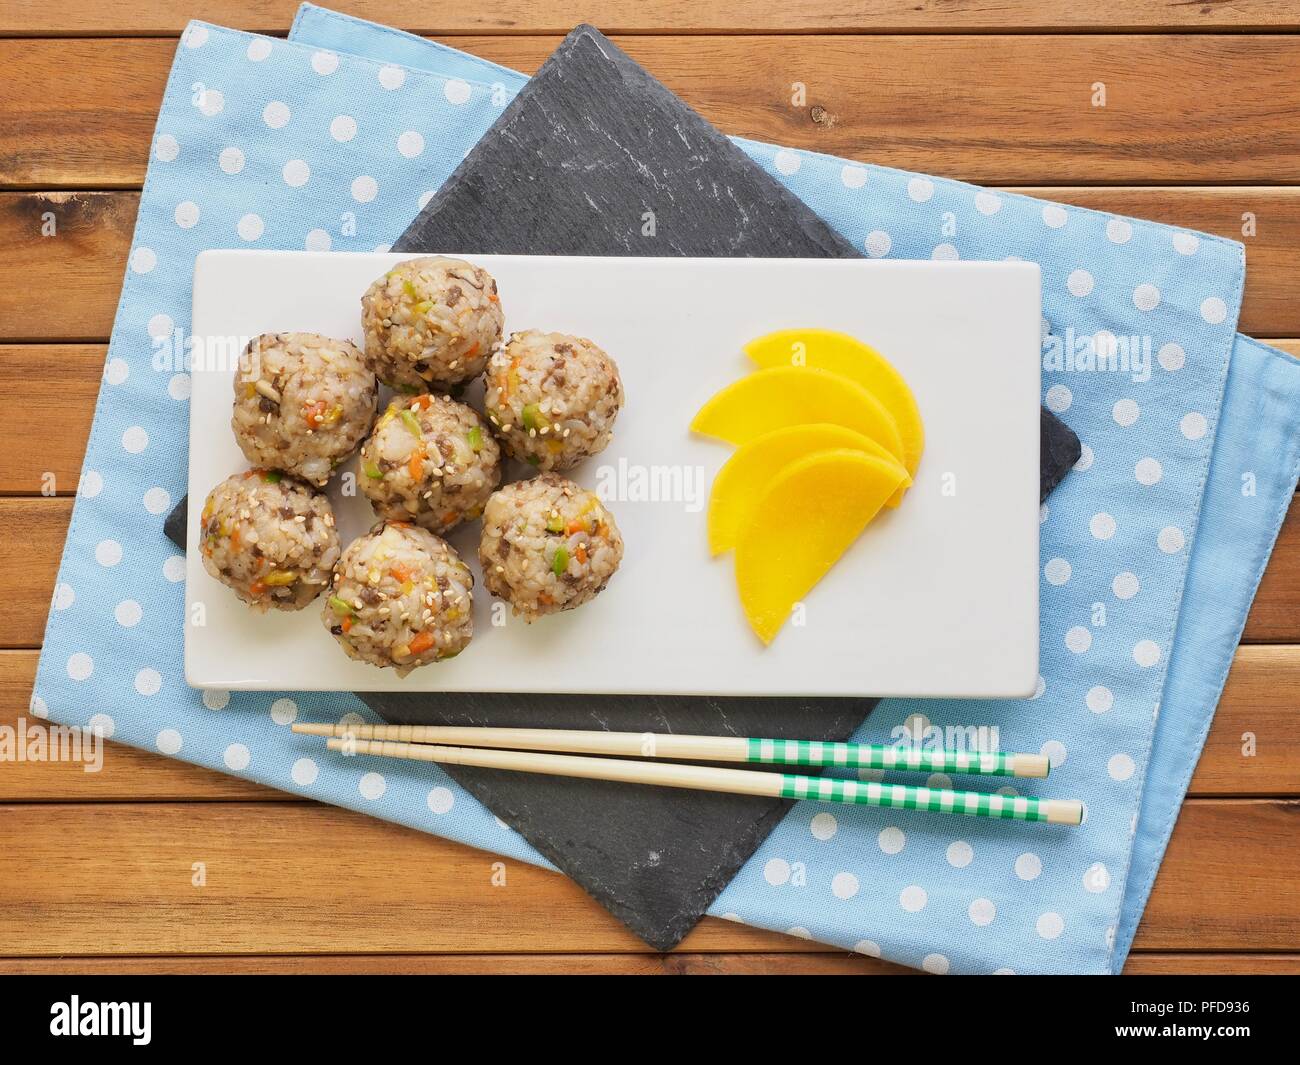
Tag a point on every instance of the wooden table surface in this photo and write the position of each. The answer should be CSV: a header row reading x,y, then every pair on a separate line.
x,y
1201,128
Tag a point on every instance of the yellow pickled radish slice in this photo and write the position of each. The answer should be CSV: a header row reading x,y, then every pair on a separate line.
x,y
787,395
741,482
847,356
801,525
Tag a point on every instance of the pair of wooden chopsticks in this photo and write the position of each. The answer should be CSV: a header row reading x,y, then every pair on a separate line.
x,y
520,749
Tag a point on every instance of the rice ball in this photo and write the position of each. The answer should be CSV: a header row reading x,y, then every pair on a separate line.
x,y
402,598
431,323
430,460
303,402
553,398
547,545
269,537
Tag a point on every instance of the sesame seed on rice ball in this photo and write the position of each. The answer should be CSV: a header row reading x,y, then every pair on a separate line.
x,y
431,323
270,538
303,402
552,398
547,545
429,460
402,598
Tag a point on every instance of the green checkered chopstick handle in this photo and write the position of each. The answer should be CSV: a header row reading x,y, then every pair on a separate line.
x,y
934,800
912,759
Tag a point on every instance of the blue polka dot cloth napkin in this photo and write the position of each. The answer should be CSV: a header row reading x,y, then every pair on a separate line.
x,y
1151,548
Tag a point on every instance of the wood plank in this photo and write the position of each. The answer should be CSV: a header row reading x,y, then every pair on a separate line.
x,y
678,964
149,17
50,392
640,964
1143,963
1228,880
71,243
1252,747
95,880
935,116
1258,707
33,529
1275,615
287,879
94,233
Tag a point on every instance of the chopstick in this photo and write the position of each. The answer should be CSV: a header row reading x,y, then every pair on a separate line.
x,y
737,781
704,748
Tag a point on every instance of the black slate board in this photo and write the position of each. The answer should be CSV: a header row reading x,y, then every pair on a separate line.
x,y
1058,450
589,145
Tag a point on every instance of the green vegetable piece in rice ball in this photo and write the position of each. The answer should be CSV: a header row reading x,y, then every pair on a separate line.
x,y
270,538
430,460
303,402
547,545
552,398
402,598
431,323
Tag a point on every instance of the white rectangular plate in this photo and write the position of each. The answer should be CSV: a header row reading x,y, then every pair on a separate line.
x,y
936,598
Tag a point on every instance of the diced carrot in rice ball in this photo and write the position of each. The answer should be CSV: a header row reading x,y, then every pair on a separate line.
x,y
552,398
548,545
401,598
